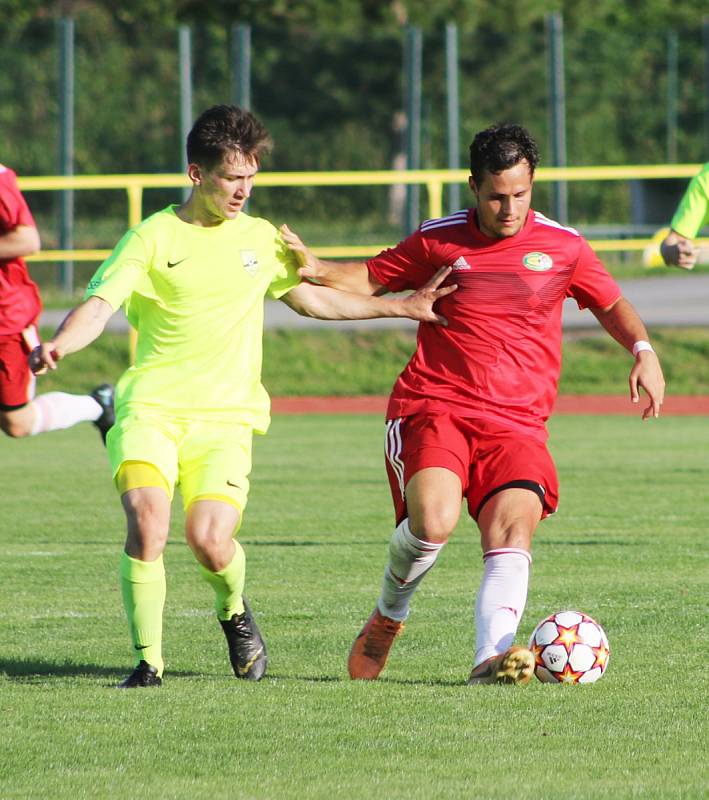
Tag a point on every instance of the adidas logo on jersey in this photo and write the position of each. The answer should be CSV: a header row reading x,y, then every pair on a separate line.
x,y
459,264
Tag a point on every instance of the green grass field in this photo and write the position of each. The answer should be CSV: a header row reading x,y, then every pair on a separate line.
x,y
628,546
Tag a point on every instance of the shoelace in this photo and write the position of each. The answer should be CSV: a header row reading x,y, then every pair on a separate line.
x,y
242,627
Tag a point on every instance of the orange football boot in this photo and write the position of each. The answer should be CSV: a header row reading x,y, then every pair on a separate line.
x,y
370,650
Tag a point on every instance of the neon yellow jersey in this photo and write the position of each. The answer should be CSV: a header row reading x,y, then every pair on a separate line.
x,y
196,296
693,210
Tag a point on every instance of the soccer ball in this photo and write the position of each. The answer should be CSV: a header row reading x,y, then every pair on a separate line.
x,y
569,647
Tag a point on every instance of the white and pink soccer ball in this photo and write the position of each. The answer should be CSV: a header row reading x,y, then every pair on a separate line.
x,y
569,647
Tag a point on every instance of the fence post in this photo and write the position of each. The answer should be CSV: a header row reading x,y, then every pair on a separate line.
x,y
412,59
672,88
557,109
453,108
705,41
184,38
66,147
241,64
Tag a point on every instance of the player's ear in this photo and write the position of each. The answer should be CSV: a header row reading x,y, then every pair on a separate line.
x,y
194,173
473,187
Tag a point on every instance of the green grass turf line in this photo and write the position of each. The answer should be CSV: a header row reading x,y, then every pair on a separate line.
x,y
628,546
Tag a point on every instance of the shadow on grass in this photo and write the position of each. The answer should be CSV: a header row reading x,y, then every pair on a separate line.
x,y
303,678
380,681
30,671
586,543
331,542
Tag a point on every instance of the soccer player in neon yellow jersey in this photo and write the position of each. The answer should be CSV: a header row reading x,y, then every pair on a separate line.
x,y
193,280
692,213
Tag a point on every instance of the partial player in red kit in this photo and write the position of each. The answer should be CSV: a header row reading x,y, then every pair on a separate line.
x,y
21,413
467,416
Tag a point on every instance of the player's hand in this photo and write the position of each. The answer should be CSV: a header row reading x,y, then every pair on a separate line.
x,y
419,305
44,357
647,373
310,267
678,252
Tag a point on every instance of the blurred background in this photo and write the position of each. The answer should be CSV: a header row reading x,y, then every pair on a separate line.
x,y
92,88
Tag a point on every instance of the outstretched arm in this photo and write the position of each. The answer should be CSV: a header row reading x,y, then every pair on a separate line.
x,y
322,302
80,327
678,251
349,276
622,322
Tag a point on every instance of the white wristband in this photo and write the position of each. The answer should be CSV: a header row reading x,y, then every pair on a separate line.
x,y
642,345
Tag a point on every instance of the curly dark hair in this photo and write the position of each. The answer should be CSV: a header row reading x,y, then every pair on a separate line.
x,y
222,129
500,147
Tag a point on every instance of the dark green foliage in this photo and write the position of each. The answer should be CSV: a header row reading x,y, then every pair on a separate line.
x,y
327,79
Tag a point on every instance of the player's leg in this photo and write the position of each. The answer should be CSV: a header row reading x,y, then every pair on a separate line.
x,y
143,455
214,469
22,414
433,498
142,572
507,523
55,411
426,479
515,486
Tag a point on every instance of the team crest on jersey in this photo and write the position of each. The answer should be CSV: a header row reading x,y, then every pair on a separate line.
x,y
538,262
249,260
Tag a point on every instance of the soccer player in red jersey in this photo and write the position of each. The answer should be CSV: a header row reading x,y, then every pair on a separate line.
x,y
21,413
467,416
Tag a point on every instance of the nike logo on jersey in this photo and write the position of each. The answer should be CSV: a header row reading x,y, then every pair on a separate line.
x,y
171,264
235,485
460,264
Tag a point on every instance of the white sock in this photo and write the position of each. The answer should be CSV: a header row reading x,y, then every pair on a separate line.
x,y
410,559
56,410
501,600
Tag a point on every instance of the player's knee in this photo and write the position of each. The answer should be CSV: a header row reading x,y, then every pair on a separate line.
x,y
434,523
147,526
15,428
207,542
516,532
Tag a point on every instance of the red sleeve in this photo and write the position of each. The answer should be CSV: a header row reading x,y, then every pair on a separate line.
x,y
406,266
14,210
592,285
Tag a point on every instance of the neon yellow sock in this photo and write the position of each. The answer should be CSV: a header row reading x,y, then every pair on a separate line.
x,y
143,589
228,584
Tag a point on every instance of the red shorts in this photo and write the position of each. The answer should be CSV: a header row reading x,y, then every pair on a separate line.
x,y
487,458
16,379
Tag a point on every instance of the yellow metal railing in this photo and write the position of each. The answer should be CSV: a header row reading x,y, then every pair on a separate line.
x,y
433,180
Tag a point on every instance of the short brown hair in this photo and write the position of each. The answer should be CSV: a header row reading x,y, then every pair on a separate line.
x,y
501,147
222,129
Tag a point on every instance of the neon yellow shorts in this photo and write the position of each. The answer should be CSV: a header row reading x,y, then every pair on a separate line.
x,y
207,460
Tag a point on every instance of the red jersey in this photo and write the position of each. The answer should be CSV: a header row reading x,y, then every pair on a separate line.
x,y
19,296
500,356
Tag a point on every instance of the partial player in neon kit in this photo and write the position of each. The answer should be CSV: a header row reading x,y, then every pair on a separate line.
x,y
467,416
193,278
692,214
21,413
